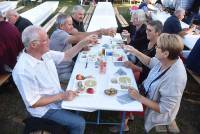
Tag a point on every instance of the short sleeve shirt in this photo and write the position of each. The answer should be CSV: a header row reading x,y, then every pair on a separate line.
x,y
59,41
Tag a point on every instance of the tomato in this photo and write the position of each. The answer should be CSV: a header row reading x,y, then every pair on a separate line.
x,y
79,77
90,91
120,58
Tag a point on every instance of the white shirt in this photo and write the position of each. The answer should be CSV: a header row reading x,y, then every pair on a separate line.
x,y
37,78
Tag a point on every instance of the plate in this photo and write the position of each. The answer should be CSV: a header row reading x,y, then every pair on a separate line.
x,y
110,91
85,87
124,82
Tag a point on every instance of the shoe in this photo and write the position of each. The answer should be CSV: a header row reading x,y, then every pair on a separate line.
x,y
131,117
161,128
173,128
116,129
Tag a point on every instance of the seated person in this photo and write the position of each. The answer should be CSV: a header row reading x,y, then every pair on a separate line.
x,y
173,26
77,18
164,86
10,44
153,31
20,22
37,80
61,40
140,71
137,30
192,61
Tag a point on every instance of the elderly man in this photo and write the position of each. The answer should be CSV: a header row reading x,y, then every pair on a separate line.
x,y
173,26
10,44
37,80
61,40
77,17
15,19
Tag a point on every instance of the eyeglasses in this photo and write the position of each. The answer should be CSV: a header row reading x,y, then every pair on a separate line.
x,y
148,30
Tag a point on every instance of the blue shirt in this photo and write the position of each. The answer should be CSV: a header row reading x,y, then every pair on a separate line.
x,y
193,61
172,25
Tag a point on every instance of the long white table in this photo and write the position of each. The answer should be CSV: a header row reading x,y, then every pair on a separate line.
x,y
7,5
99,100
189,40
103,17
40,13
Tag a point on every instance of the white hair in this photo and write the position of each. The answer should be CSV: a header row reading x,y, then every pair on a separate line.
x,y
12,12
30,34
77,8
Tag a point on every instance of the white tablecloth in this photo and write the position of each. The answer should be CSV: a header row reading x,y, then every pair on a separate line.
x,y
103,17
99,100
6,5
40,13
189,40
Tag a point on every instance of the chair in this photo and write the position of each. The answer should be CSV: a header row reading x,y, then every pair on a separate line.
x,y
34,124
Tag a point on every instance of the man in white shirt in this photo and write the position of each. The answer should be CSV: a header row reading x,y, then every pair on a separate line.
x,y
37,80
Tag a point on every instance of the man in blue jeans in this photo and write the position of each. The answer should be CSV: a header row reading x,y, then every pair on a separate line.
x,y
37,80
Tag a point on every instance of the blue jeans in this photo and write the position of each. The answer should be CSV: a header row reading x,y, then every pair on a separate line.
x,y
74,123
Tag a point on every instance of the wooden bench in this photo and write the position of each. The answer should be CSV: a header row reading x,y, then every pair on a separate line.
x,y
88,16
51,22
4,78
196,77
120,18
20,8
116,10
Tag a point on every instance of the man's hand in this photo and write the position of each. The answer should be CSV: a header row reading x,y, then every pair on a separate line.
x,y
109,31
92,39
69,95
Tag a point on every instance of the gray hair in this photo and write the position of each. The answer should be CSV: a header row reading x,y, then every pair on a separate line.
x,y
157,25
179,11
77,8
12,12
30,34
141,15
61,19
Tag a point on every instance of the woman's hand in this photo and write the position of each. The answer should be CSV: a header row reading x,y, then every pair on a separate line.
x,y
129,48
134,93
134,67
128,64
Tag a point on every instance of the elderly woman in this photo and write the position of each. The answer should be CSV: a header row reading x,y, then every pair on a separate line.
x,y
165,83
137,37
153,31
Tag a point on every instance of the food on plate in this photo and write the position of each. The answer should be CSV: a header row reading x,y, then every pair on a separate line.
x,y
110,91
90,91
90,83
120,58
114,80
80,86
80,77
125,80
123,86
